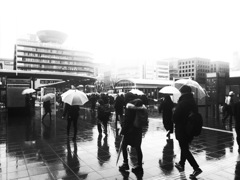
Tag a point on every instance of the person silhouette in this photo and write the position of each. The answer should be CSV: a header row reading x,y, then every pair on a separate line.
x,y
102,158
166,163
72,159
47,109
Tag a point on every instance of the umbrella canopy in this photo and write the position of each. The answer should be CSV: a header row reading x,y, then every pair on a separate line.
x,y
48,97
28,91
171,90
196,88
74,97
67,92
136,91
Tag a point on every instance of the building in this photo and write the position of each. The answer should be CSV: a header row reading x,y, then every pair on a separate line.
x,y
220,67
6,64
44,52
148,87
162,69
195,68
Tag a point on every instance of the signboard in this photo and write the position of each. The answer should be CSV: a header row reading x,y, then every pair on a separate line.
x,y
15,99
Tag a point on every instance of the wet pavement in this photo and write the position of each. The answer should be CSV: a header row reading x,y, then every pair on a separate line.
x,y
33,150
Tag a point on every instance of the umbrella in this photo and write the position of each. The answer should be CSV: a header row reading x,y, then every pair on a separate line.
x,y
28,91
120,149
196,88
172,91
74,97
67,92
48,97
136,91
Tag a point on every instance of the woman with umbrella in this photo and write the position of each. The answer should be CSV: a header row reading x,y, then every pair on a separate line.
x,y
73,99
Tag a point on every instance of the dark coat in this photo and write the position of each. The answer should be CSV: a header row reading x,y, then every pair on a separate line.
x,y
166,107
47,106
119,104
71,111
186,104
132,135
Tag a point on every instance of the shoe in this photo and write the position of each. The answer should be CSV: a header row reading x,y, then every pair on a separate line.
x,y
123,167
137,169
179,167
195,173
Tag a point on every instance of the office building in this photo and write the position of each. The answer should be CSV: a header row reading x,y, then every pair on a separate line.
x,y
195,68
44,52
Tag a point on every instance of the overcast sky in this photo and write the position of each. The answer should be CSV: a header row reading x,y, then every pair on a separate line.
x,y
129,30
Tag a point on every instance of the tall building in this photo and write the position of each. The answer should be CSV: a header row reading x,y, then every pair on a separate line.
x,y
220,67
195,68
44,52
162,69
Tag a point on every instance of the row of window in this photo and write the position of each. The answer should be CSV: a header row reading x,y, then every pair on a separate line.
x,y
53,67
47,49
193,62
54,61
52,56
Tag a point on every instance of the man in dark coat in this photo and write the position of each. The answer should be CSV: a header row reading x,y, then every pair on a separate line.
x,y
166,108
47,109
186,104
72,113
119,104
132,135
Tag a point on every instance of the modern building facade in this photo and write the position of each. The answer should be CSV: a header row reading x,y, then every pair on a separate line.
x,y
162,69
46,54
220,67
195,68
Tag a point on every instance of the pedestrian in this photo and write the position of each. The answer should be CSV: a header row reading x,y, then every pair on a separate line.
x,y
47,109
103,116
72,112
229,106
132,135
119,105
186,104
166,108
237,122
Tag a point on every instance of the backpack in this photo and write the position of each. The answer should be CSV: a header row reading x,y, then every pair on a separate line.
x,y
141,118
194,124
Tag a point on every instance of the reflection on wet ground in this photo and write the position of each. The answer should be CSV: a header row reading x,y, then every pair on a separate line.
x,y
33,150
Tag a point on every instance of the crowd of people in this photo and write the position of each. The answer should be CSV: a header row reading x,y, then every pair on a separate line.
x,y
127,107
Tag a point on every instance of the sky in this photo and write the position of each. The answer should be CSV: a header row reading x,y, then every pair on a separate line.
x,y
124,31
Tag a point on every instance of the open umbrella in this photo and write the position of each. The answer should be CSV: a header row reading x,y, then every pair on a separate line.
x,y
67,92
28,91
171,90
136,91
196,88
75,97
48,97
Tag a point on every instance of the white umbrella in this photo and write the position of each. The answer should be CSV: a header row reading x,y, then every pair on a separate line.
x,y
67,92
48,97
75,97
136,91
28,91
171,90
196,88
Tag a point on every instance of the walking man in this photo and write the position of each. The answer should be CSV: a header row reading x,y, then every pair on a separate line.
x,y
186,104
72,113
229,107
